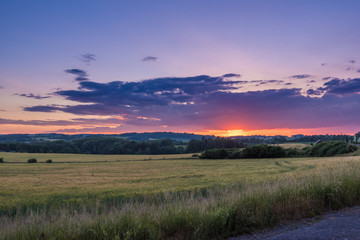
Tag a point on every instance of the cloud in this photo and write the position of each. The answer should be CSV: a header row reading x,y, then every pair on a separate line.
x,y
41,108
301,76
323,64
264,82
230,75
149,59
206,102
326,78
314,92
88,58
81,74
72,122
352,61
349,68
31,95
287,84
341,87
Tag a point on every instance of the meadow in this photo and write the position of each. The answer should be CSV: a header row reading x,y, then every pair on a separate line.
x,y
167,196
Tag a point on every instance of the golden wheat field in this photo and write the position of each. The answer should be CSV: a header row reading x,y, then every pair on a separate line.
x,y
73,177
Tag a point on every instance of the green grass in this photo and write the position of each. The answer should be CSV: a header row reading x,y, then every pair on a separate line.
x,y
166,198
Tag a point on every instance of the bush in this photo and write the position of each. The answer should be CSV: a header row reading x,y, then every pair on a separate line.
x,y
264,151
1,160
322,149
215,154
32,160
49,161
331,148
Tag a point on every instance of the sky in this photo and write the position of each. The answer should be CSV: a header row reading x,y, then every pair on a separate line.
x,y
244,67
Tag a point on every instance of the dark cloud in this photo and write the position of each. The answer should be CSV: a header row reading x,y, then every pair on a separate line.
x,y
205,102
312,81
352,61
301,76
262,82
88,58
81,74
323,64
289,83
40,108
75,121
341,87
358,70
31,95
314,92
229,75
348,68
149,59
326,78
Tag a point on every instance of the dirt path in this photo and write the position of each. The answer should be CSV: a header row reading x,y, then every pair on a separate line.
x,y
344,224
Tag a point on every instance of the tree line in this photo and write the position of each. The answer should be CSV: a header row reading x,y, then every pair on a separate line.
x,y
322,149
113,145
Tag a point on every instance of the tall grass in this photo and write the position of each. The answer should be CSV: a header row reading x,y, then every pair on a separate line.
x,y
216,212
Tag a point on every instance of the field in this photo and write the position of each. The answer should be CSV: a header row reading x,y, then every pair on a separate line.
x,y
170,196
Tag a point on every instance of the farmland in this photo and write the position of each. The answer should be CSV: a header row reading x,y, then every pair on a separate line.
x,y
165,187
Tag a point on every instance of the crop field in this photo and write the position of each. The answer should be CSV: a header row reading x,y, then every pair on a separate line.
x,y
170,196
84,158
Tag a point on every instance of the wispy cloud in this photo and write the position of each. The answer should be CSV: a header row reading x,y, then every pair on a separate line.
x,y
31,95
81,74
149,59
301,76
72,122
88,58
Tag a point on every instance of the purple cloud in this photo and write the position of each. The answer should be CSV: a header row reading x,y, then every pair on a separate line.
x,y
149,59
88,58
341,87
230,75
31,95
207,102
81,74
301,76
75,121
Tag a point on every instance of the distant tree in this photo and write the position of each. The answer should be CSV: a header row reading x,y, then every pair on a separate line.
x,y
32,160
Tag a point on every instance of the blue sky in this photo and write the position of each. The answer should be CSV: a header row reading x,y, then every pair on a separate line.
x,y
134,41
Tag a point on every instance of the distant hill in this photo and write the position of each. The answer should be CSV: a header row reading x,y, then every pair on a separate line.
x,y
29,138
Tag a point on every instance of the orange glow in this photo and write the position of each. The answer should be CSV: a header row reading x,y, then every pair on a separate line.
x,y
273,132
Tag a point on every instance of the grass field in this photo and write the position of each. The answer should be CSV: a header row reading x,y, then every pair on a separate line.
x,y
73,158
186,193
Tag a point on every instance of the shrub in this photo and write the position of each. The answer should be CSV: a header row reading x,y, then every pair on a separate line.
x,y
264,151
331,148
32,160
49,161
1,160
215,154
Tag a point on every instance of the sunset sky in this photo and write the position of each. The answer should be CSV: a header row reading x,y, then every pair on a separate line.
x,y
231,67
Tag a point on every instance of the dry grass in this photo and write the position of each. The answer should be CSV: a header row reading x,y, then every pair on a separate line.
x,y
292,145
65,157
